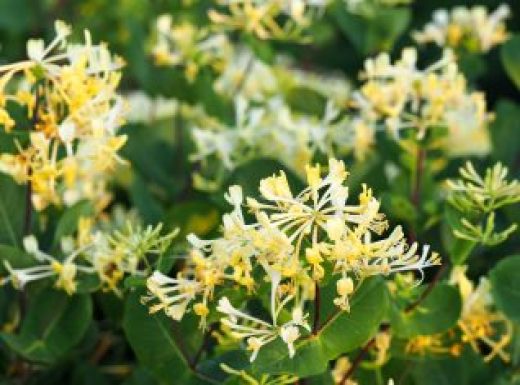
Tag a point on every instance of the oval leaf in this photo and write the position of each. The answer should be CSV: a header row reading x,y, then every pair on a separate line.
x,y
510,54
54,324
437,313
153,341
505,286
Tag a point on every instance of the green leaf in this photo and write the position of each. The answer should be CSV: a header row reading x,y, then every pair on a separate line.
x,y
437,313
142,198
88,374
54,324
510,54
306,100
16,258
368,307
399,207
12,206
153,340
309,359
197,216
235,359
468,369
505,126
505,286
379,32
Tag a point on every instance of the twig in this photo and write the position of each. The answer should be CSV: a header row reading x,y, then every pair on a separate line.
x,y
103,346
316,322
428,289
415,196
245,75
182,348
27,219
205,344
359,358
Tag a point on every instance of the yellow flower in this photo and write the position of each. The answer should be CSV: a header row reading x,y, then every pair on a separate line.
x,y
480,322
474,29
76,111
286,244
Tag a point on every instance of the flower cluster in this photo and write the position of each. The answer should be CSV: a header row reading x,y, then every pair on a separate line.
x,y
472,29
73,113
261,17
187,45
480,324
266,124
477,198
108,256
292,242
295,141
400,96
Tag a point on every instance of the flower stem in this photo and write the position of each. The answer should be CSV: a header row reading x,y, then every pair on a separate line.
x,y
415,196
316,322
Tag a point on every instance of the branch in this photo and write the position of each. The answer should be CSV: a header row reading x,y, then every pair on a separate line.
x,y
316,323
205,344
359,358
428,289
415,196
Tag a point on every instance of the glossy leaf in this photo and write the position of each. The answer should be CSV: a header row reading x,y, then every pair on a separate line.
x,y
506,286
54,324
153,340
438,312
510,54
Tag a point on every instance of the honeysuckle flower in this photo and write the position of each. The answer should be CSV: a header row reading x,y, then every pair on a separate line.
x,y
69,93
289,242
146,109
64,270
257,332
173,294
480,322
108,255
474,29
261,18
296,139
247,77
432,344
189,46
400,96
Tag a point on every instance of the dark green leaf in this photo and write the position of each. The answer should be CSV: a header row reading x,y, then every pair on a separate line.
x,y
153,340
506,286
54,324
510,54
309,359
435,314
347,331
12,211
